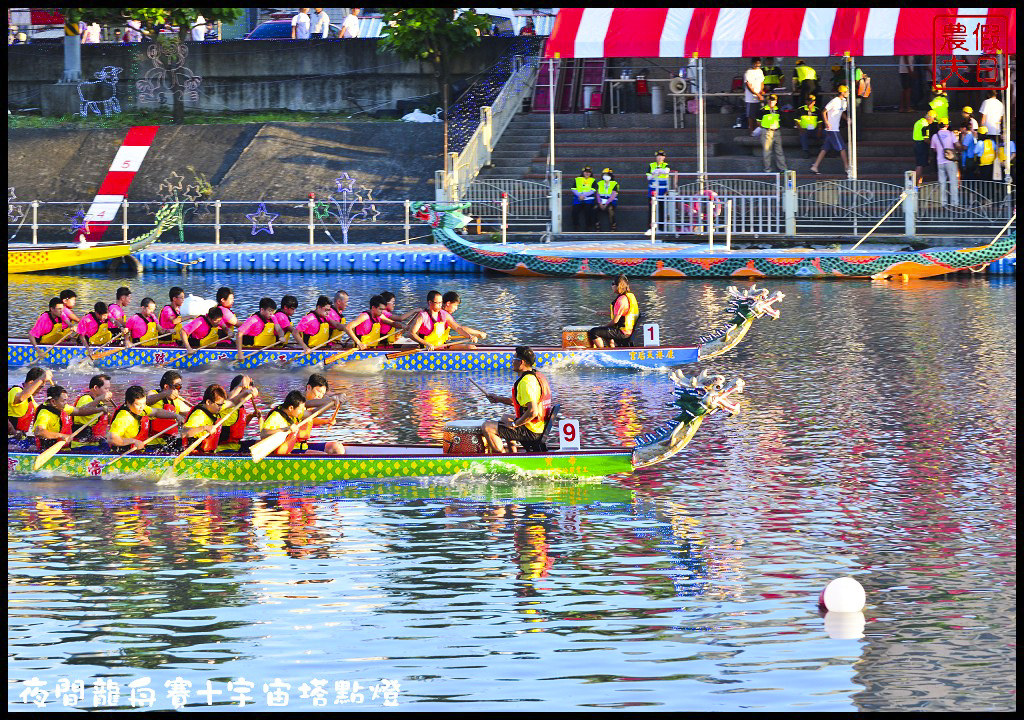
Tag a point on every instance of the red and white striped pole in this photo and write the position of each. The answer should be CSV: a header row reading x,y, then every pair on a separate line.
x,y
122,171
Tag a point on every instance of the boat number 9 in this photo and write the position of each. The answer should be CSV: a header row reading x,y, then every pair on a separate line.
x,y
569,434
652,335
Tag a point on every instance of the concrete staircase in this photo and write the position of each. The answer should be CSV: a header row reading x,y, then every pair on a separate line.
x,y
626,143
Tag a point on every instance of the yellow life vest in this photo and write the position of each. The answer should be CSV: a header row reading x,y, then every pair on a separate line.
x,y
805,72
55,333
211,336
770,119
373,336
631,315
149,337
264,337
436,336
988,151
102,335
322,333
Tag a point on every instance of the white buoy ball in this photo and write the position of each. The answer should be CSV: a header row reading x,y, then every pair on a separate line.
x,y
843,595
195,305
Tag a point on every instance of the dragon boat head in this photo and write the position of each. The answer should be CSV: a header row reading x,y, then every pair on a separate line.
x,y
696,397
448,216
743,308
759,301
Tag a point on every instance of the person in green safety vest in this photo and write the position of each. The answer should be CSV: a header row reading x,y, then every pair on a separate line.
x,y
940,105
583,199
808,124
657,181
607,198
805,81
922,143
771,134
773,75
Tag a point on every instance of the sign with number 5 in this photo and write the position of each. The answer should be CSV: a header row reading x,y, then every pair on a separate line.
x,y
569,434
652,335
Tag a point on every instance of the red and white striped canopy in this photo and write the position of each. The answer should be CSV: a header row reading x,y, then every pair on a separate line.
x,y
750,32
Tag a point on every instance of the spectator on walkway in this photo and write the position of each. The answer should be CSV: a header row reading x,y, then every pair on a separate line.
x,y
583,199
321,24
943,144
773,77
833,114
807,121
771,135
753,91
984,152
924,128
199,29
657,183
300,25
992,113
968,163
350,26
967,116
607,199
838,77
528,28
91,33
940,105
805,81
906,73
132,32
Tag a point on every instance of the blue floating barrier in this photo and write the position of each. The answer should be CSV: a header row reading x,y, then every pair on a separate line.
x,y
301,261
250,260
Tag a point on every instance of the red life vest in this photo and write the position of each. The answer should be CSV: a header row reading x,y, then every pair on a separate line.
x,y
24,423
158,425
65,425
289,444
143,421
99,428
237,430
209,444
545,394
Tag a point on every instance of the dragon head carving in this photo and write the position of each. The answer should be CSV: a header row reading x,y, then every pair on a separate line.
x,y
442,215
743,305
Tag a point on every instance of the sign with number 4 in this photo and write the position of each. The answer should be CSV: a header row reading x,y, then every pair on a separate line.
x,y
569,434
652,335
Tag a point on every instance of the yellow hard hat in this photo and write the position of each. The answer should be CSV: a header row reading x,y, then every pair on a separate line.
x,y
843,88
606,170
968,109
983,130
835,68
799,62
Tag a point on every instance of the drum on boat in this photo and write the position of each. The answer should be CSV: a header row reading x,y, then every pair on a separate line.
x,y
575,336
463,437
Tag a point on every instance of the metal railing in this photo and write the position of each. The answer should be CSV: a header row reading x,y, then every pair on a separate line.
x,y
851,206
757,207
460,168
985,203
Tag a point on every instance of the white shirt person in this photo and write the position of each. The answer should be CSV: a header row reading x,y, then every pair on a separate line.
x,y
350,26
321,23
300,25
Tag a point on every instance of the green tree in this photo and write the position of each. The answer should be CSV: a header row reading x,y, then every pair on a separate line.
x,y
151,20
434,35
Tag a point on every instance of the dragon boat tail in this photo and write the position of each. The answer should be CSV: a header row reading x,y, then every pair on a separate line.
x,y
695,398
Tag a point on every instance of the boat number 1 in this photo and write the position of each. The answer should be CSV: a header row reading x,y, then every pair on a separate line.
x,y
652,335
569,434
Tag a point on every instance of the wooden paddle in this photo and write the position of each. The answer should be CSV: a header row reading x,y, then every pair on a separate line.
x,y
202,345
199,440
269,444
345,353
45,456
115,351
477,386
248,355
42,350
144,444
107,344
307,352
402,353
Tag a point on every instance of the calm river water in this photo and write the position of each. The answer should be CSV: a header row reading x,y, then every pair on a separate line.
x,y
878,440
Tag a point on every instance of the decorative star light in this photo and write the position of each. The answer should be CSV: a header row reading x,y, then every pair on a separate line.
x,y
78,221
261,220
321,211
170,187
15,209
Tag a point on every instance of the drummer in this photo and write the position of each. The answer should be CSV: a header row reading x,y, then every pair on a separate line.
x,y
624,312
129,427
450,304
21,406
429,326
49,327
531,401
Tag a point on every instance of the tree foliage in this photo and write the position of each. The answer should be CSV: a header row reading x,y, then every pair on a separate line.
x,y
432,35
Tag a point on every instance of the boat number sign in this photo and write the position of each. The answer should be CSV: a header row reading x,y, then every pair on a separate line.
x,y
652,335
569,434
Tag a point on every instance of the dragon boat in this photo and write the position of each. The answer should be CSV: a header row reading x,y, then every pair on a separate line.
x,y
26,258
695,398
667,261
743,308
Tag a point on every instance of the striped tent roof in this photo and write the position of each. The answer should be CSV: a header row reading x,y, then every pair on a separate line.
x,y
749,32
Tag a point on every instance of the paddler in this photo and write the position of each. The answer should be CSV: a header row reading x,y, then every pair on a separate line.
x,y
316,398
92,329
21,406
290,412
283,316
99,392
241,389
624,312
206,414
429,326
49,327
531,402
143,328
130,424
118,310
226,301
169,398
68,298
396,320
205,330
365,330
314,328
450,304
260,330
52,422
336,316
170,316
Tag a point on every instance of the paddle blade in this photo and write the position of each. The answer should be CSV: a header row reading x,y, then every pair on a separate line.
x,y
44,457
268,445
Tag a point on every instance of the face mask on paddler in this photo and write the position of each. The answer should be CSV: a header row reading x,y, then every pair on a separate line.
x,y
607,177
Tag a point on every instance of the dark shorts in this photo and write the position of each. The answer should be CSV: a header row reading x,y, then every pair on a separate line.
x,y
905,81
753,109
833,141
921,152
518,434
606,333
